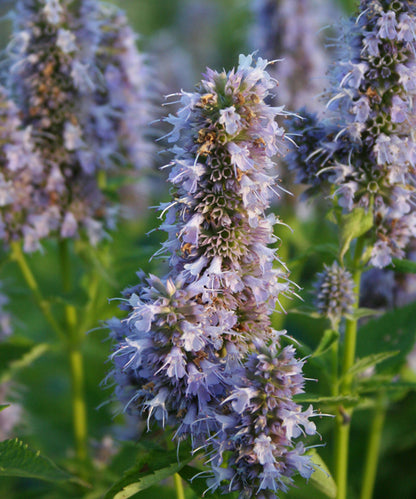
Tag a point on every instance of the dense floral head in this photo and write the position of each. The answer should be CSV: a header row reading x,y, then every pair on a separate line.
x,y
371,158
259,425
184,347
63,113
334,293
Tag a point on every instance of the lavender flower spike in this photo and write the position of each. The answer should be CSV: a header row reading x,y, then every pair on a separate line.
x,y
334,293
191,352
369,151
73,95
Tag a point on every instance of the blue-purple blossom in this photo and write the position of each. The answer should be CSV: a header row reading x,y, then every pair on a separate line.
x,y
75,103
368,154
189,351
334,296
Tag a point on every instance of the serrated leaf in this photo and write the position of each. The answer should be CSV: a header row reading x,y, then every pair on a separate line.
x,y
321,478
386,384
353,225
17,459
406,266
152,466
394,330
365,363
328,339
18,353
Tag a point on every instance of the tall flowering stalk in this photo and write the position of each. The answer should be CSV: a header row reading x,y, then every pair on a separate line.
x,y
11,415
197,350
368,154
363,154
80,91
74,108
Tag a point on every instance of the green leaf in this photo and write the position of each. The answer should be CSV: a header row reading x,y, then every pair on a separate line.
x,y
344,400
321,478
371,360
328,339
307,311
152,465
362,312
386,384
18,353
394,330
406,266
4,406
17,459
353,225
199,484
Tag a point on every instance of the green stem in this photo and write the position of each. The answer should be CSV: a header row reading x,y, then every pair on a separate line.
x,y
19,257
180,494
343,416
79,411
373,448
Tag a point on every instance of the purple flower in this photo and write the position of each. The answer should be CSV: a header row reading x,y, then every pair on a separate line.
x,y
334,293
366,148
201,325
61,122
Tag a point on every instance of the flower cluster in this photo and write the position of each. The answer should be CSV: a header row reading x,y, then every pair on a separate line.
x,y
64,118
289,29
334,293
371,159
191,338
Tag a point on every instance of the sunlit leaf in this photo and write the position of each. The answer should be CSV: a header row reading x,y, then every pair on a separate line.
x,y
321,478
393,331
353,225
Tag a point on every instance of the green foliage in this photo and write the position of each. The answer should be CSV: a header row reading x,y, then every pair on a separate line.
x,y
353,225
17,459
18,353
393,331
152,465
405,266
199,483
322,479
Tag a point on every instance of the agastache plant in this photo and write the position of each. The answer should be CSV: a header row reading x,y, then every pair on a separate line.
x,y
73,102
197,351
368,154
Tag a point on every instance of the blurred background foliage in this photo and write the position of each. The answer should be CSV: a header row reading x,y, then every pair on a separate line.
x,y
182,38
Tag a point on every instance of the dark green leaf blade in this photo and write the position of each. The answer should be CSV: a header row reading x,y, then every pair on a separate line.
x,y
406,266
17,459
395,330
